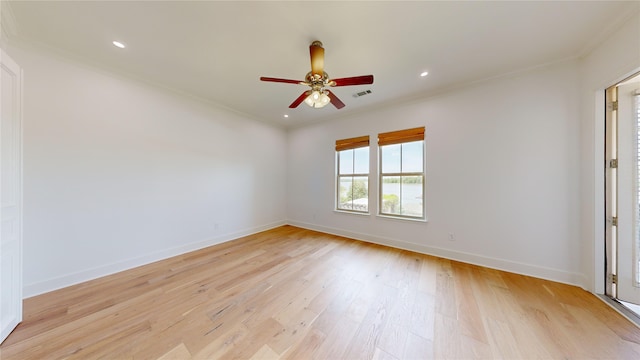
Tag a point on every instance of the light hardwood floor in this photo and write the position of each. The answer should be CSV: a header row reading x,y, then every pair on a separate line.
x,y
296,294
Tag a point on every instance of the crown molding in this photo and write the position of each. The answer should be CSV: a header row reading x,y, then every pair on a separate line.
x,y
7,23
615,23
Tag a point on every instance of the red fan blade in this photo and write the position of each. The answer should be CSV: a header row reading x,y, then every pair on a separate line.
x,y
334,100
299,100
356,80
281,80
316,51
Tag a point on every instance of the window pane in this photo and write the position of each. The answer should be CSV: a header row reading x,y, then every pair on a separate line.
x,y
354,193
361,160
360,193
412,157
390,195
346,162
411,201
390,158
344,197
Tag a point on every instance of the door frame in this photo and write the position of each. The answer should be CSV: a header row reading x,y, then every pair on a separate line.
x,y
610,193
11,292
610,190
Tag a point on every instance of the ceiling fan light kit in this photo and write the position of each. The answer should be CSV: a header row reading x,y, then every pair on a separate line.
x,y
317,79
317,99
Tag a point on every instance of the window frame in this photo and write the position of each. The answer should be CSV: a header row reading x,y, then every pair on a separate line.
x,y
394,138
352,144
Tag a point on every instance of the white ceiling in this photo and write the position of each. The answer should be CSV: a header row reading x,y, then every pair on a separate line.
x,y
218,50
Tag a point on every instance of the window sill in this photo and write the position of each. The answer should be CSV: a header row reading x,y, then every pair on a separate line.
x,y
390,217
351,212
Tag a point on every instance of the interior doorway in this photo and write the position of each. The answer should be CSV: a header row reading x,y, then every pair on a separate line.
x,y
622,193
10,195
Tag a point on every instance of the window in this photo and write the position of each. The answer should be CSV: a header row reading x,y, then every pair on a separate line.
x,y
352,168
402,173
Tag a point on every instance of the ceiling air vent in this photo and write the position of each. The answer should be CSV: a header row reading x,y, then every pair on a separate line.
x,y
362,93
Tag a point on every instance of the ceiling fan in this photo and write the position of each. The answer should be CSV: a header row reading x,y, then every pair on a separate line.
x,y
318,96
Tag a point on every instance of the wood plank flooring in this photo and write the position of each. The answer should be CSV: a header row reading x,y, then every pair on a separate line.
x,y
291,293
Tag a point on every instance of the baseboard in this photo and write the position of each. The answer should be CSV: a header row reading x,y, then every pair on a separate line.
x,y
485,261
489,262
104,270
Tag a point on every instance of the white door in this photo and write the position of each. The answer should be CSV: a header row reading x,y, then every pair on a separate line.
x,y
628,284
10,196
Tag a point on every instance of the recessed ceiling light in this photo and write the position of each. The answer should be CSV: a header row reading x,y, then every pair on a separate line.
x,y
118,44
285,115
425,73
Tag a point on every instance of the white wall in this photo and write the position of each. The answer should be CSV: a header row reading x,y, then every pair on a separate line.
x,y
118,173
502,174
615,59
